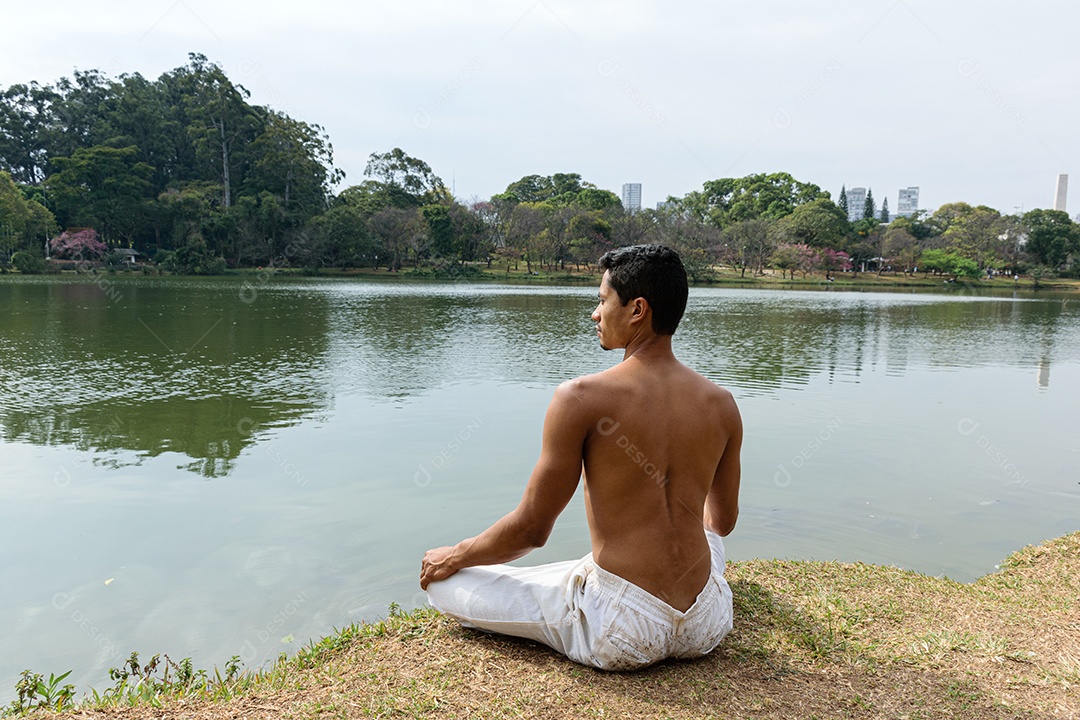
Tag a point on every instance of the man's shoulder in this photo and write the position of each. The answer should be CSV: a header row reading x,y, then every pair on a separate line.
x,y
583,386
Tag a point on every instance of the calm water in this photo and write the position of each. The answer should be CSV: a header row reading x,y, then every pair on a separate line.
x,y
207,468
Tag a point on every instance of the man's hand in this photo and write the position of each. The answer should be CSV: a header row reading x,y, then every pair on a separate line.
x,y
436,565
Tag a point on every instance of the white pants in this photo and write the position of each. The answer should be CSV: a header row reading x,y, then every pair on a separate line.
x,y
592,616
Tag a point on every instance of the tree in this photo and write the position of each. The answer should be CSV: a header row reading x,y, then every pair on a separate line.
x,y
590,236
293,160
899,248
818,223
102,187
833,261
1051,236
974,232
750,244
394,230
405,181
440,230
223,124
769,197
885,210
24,223
869,208
341,239
842,203
81,244
785,257
26,118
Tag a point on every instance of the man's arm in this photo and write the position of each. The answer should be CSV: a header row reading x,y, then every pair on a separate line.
x,y
722,503
551,485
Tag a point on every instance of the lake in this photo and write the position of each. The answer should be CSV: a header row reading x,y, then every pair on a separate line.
x,y
219,467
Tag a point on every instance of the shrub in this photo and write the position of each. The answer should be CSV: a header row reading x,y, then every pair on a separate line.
x,y
27,263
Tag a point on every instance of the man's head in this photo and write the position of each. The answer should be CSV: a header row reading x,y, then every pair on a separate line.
x,y
652,272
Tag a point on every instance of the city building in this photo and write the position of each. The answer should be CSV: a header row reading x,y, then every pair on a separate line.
x,y
856,203
909,202
631,197
1062,192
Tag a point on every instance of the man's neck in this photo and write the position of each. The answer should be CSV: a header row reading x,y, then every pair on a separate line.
x,y
650,348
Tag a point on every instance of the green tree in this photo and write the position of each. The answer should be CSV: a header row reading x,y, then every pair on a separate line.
x,y
222,125
899,248
294,161
869,209
341,239
405,181
842,203
26,120
885,210
24,223
767,196
751,245
818,223
1051,236
104,188
977,235
440,231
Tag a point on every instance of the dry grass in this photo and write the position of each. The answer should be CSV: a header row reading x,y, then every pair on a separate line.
x,y
811,640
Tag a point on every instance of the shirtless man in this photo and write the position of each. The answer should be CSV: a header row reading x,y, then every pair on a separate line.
x,y
659,447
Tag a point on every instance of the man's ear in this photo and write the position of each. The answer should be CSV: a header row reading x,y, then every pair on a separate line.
x,y
640,309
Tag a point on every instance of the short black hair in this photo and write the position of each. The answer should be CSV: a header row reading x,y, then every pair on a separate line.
x,y
653,272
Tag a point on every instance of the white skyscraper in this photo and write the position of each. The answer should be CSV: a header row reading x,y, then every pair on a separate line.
x,y
1062,192
909,202
856,203
631,197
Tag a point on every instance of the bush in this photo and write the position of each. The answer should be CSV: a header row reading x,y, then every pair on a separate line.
x,y
191,260
27,263
114,260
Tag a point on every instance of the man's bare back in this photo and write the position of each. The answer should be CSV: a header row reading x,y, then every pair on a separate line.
x,y
660,433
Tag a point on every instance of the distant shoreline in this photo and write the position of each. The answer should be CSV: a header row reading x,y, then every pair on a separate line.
x,y
723,277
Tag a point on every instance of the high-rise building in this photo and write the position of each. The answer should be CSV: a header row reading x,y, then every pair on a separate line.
x,y
856,203
631,197
1062,192
909,202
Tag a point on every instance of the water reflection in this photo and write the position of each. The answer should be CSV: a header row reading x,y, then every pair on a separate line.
x,y
201,368
181,367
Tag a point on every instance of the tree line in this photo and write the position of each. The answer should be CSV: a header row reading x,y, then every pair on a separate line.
x,y
185,171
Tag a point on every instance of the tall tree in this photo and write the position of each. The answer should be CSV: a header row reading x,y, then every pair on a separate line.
x,y
885,210
842,203
869,209
223,124
26,119
405,181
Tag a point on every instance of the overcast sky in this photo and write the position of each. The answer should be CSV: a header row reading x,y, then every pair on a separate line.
x,y
970,101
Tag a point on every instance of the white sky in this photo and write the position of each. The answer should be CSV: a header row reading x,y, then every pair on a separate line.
x,y
971,101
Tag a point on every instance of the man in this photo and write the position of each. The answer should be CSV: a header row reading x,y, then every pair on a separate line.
x,y
659,447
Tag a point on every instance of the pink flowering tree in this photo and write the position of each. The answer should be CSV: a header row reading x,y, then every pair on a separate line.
x,y
809,258
80,244
834,261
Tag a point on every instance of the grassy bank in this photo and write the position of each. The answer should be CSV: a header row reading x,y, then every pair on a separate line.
x,y
811,640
